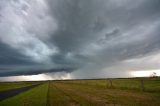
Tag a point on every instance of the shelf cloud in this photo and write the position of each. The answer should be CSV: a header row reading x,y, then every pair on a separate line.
x,y
86,38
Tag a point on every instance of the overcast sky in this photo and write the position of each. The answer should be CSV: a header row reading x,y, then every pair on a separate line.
x,y
82,38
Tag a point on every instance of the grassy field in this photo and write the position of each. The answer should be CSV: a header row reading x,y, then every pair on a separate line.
x,y
149,85
12,85
35,97
105,92
125,92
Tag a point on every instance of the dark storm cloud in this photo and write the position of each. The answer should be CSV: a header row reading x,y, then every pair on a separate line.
x,y
83,23
82,35
34,71
9,56
76,20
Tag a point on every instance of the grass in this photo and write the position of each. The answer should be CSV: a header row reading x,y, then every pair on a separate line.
x,y
83,93
122,92
150,85
12,85
61,96
35,97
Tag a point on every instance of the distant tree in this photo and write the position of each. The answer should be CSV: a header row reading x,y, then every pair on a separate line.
x,y
153,75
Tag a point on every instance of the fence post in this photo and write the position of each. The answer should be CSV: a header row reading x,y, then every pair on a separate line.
x,y
106,83
110,83
142,84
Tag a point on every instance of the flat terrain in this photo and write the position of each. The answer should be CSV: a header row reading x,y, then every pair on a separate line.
x,y
11,85
12,92
34,97
105,92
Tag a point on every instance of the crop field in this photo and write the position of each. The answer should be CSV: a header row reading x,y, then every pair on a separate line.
x,y
102,92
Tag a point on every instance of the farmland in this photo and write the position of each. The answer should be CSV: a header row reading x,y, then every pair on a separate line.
x,y
103,92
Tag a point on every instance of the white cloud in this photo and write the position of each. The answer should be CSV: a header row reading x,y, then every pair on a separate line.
x,y
25,25
145,73
51,76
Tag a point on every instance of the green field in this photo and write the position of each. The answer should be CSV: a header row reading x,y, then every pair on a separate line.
x,y
11,85
105,92
35,97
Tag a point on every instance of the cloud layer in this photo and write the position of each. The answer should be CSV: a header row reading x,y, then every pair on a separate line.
x,y
88,38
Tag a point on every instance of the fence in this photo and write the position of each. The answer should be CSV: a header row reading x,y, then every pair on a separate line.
x,y
141,84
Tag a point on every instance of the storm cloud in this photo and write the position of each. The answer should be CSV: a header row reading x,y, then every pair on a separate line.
x,y
87,38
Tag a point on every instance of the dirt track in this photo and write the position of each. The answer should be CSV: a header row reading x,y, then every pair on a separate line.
x,y
13,92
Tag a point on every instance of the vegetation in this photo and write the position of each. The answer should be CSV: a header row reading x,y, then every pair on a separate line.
x,y
12,85
104,92
35,97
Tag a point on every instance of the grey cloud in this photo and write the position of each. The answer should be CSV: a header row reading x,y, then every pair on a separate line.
x,y
33,71
76,21
10,56
115,32
82,35
68,39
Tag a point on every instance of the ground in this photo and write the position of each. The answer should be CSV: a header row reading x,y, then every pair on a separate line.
x,y
102,92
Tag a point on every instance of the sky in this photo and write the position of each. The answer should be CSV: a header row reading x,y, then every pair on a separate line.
x,y
65,39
